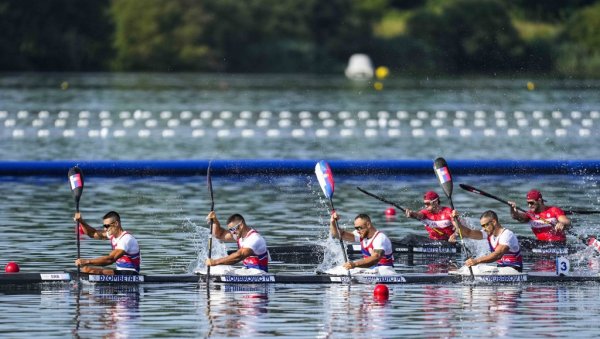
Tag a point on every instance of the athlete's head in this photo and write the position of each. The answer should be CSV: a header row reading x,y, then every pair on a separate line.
x,y
362,224
235,224
488,221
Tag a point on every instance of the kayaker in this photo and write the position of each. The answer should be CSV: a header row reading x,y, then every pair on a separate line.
x,y
375,246
548,223
436,218
504,245
252,247
125,248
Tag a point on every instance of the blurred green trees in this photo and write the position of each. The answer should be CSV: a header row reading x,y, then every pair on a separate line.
x,y
425,36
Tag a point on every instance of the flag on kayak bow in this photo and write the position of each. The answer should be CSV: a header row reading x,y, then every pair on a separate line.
x,y
325,177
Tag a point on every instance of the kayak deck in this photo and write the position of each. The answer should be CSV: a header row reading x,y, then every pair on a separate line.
x,y
409,278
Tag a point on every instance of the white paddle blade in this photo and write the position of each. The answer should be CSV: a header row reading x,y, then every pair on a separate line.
x,y
325,177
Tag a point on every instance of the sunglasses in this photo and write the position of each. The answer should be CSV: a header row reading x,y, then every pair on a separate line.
x,y
360,228
486,224
235,228
531,203
429,203
109,224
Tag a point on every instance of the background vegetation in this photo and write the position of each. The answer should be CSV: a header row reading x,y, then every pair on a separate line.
x,y
409,36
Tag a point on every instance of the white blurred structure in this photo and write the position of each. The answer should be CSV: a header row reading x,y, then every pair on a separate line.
x,y
359,67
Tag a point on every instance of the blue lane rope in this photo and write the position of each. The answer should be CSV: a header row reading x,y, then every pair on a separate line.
x,y
296,167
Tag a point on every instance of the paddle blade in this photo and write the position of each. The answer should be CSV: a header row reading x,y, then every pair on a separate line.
x,y
210,189
76,182
325,177
443,174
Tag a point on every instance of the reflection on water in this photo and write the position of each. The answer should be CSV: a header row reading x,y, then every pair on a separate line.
x,y
118,310
237,310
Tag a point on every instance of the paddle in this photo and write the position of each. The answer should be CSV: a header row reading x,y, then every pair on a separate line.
x,y
325,177
445,178
212,208
76,183
381,199
590,241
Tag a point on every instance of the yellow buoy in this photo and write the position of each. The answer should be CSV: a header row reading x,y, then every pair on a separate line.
x,y
382,72
530,86
378,85
64,85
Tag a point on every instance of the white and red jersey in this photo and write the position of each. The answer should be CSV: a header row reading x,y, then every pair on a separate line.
x,y
438,225
132,259
542,224
513,257
258,245
379,241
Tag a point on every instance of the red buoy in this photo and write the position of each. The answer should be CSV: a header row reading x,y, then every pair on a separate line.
x,y
12,267
381,292
390,211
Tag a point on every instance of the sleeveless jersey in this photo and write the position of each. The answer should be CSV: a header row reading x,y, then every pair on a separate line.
x,y
513,257
131,260
258,245
378,242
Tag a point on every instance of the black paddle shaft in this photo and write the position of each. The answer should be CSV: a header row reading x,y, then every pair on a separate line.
x,y
212,208
337,227
381,199
76,184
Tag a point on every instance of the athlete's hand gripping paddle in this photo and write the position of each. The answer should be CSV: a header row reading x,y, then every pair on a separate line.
x,y
76,183
445,179
325,177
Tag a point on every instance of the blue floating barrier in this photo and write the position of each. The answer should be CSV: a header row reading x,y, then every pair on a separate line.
x,y
296,167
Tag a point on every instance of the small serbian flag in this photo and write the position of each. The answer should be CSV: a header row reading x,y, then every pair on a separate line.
x,y
75,181
443,174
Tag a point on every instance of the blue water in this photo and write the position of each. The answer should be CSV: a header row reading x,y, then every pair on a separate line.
x,y
106,117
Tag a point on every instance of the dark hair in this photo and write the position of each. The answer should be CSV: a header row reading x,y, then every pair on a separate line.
x,y
235,218
363,216
489,214
112,215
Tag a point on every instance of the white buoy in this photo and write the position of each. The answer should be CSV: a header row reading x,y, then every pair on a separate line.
x,y
346,133
350,123
359,67
394,133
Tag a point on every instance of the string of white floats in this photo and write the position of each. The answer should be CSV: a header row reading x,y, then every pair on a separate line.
x,y
247,124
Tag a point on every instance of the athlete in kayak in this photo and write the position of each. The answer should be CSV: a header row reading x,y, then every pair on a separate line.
x,y
125,249
252,247
376,247
436,218
503,243
548,223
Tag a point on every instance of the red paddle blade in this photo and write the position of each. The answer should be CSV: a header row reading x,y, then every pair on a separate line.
x,y
443,174
325,177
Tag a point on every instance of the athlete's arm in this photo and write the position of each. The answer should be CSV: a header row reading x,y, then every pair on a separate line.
x,y
494,256
369,261
106,260
515,214
231,259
